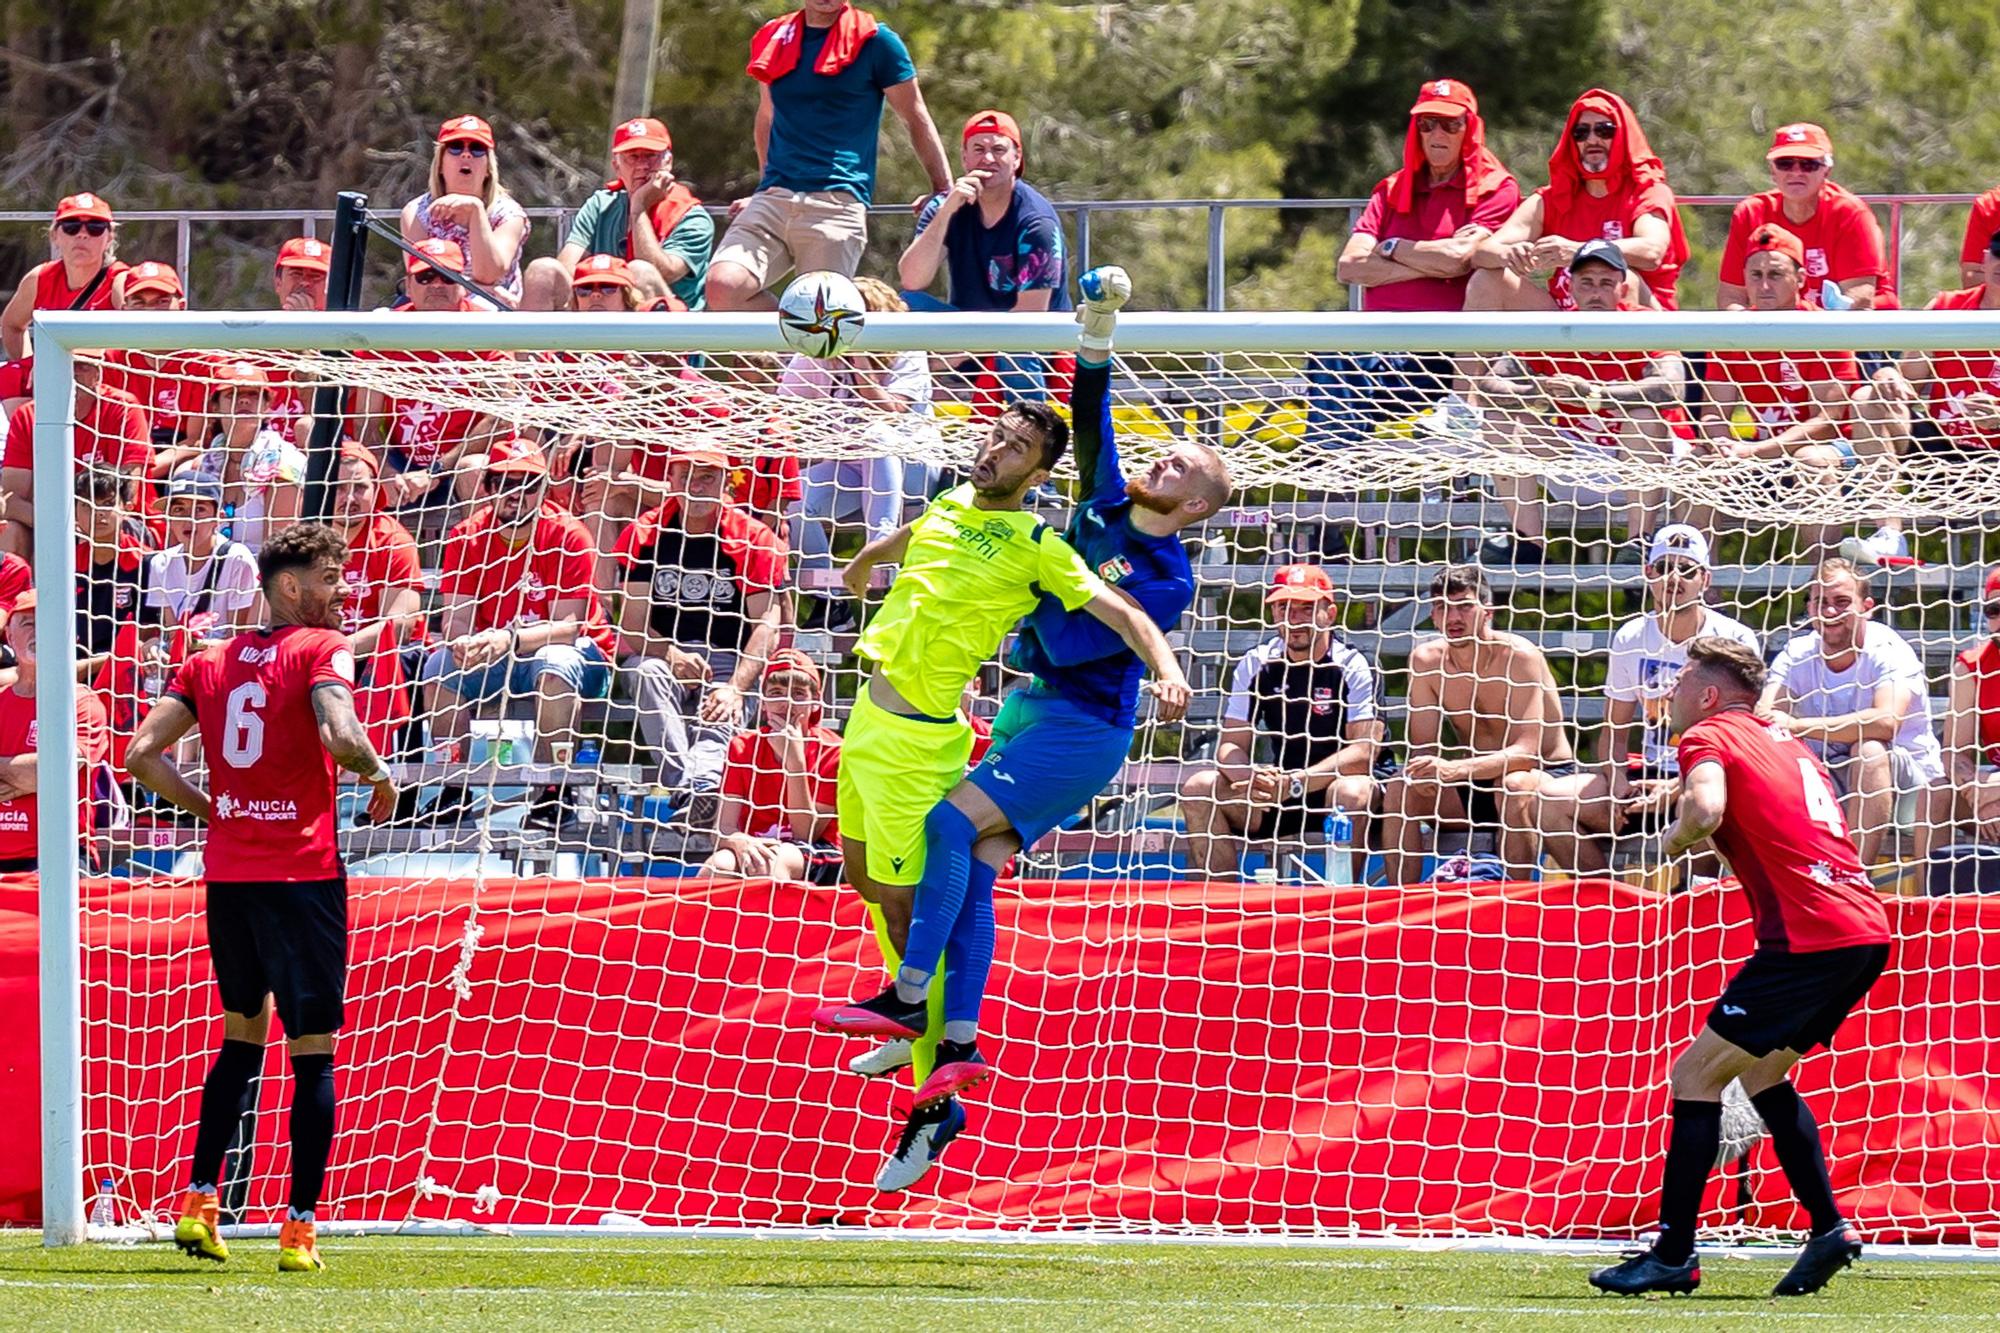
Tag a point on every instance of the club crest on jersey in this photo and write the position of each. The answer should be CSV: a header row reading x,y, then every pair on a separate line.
x,y
1322,700
34,733
1115,570
1614,231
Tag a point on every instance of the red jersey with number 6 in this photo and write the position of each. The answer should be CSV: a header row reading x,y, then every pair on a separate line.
x,y
271,780
1785,839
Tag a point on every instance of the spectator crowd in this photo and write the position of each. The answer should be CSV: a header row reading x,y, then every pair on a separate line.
x,y
488,565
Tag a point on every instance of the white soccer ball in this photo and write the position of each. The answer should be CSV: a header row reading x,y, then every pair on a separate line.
x,y
821,314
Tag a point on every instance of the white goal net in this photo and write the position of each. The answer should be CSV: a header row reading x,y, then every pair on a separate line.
x,y
1373,942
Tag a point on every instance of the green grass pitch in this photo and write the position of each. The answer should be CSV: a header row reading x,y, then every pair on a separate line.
x,y
462,1283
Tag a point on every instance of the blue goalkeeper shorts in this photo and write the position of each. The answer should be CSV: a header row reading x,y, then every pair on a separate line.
x,y
1049,758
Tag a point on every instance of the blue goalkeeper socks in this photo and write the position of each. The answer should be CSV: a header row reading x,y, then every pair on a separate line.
x,y
968,955
948,839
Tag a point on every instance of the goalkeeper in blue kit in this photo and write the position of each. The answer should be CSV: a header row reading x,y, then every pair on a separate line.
x,y
1060,739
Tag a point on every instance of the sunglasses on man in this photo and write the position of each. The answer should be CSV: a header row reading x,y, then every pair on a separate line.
x,y
462,147
1806,164
77,226
428,277
1600,129
1432,124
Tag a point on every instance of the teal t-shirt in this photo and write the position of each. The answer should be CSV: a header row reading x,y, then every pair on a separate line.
x,y
600,228
824,127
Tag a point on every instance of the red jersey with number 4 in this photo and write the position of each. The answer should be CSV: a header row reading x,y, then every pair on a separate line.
x,y
1785,839
271,780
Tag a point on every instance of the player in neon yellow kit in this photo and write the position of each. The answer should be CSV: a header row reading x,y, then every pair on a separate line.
x,y
972,565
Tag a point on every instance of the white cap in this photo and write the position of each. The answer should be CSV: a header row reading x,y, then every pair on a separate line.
x,y
1681,539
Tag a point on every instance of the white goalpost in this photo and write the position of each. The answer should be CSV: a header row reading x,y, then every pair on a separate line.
x,y
1356,1019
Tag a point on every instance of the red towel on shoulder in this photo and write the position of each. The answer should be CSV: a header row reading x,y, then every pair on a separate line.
x,y
774,51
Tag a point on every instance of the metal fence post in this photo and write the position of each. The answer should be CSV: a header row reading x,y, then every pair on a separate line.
x,y
1217,278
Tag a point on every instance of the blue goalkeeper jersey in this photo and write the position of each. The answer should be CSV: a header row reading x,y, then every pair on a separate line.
x,y
1072,652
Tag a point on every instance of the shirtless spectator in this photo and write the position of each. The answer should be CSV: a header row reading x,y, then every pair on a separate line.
x,y
425,446
1968,793
81,273
466,204
1803,405
110,432
1604,185
776,820
1856,693
642,215
1627,791
823,73
261,474
1837,233
1960,390
699,617
1313,700
1496,695
1412,250
1592,405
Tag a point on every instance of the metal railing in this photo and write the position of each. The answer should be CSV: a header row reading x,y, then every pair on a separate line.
x,y
1079,213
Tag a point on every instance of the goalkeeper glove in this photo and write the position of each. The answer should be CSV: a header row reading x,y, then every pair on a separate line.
x,y
1104,291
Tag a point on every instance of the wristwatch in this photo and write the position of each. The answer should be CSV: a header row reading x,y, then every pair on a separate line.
x,y
1298,786
1388,248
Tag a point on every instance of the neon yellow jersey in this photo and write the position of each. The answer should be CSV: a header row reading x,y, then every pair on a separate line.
x,y
968,577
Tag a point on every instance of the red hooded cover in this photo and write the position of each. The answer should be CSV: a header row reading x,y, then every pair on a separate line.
x,y
1483,172
774,51
1638,182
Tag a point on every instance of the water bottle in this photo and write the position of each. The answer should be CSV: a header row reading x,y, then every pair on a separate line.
x,y
589,752
1339,847
104,1213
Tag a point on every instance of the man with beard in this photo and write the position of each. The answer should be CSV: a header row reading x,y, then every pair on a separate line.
x,y
1498,696
972,566
1316,698
1856,693
1605,184
276,710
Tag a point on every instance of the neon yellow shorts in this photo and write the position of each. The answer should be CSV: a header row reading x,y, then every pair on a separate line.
x,y
893,769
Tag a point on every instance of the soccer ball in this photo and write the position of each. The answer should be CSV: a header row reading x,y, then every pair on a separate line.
x,y
821,314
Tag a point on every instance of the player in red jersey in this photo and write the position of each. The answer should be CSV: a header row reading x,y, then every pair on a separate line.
x,y
276,710
1767,805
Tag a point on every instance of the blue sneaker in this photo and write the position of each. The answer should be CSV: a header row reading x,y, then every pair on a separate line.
x,y
926,1134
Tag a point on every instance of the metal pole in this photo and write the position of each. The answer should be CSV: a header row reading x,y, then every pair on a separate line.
x,y
1083,239
1356,293
1896,245
184,253
343,292
1217,286
61,940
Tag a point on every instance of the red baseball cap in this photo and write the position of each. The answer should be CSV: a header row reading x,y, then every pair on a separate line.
x,y
466,129
1774,238
1300,583
993,122
1801,140
601,271
645,132
1445,97
1993,581
85,205
152,277
25,601
305,252
517,455
435,253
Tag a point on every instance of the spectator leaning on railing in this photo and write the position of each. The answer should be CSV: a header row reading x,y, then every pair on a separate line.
x,y
18,757
642,215
1837,233
1605,184
466,204
1412,250
824,72
81,274
997,239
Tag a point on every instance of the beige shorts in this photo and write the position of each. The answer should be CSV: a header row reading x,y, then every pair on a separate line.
x,y
779,230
